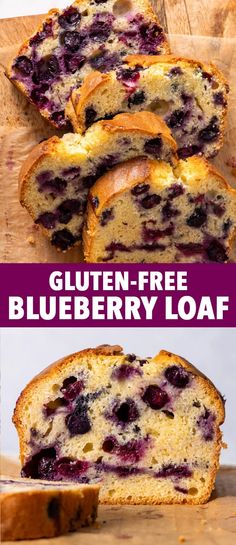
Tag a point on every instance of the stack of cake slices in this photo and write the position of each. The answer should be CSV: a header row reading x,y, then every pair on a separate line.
x,y
145,122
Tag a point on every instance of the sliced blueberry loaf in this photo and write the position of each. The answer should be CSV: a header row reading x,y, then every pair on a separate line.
x,y
189,95
148,211
147,430
56,177
88,35
40,509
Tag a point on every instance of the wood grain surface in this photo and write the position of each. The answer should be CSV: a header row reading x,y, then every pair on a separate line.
x,y
213,523
190,25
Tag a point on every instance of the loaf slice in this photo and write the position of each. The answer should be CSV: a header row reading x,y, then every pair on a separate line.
x,y
57,175
147,430
191,96
37,509
144,211
88,35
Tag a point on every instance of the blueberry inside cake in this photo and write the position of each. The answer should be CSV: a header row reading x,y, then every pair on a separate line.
x,y
37,509
148,211
189,95
56,177
88,35
146,430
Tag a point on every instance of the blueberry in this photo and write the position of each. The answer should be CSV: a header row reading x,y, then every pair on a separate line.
x,y
46,32
53,508
44,177
68,469
131,357
206,424
104,61
58,118
188,151
152,36
226,227
136,98
210,132
95,202
140,189
55,186
174,191
126,411
124,372
176,119
172,470
71,40
168,212
47,68
71,173
150,201
101,27
40,465
177,376
63,239
78,422
71,388
90,116
155,397
197,218
67,209
175,71
38,96
48,220
73,63
109,444
190,248
24,65
106,216
70,17
216,252
128,75
219,99
153,146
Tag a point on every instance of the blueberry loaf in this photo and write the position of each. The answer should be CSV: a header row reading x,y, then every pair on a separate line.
x,y
40,509
148,211
189,95
147,430
57,175
89,35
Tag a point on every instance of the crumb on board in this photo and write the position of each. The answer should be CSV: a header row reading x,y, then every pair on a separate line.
x,y
31,240
181,539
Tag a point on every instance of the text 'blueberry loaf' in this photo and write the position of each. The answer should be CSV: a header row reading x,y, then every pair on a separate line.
x,y
147,430
189,95
40,509
90,34
56,177
148,211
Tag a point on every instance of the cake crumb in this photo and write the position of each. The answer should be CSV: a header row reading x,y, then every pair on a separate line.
x,y
31,240
181,539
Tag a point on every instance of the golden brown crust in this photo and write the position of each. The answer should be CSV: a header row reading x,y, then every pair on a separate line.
x,y
146,122
39,152
33,513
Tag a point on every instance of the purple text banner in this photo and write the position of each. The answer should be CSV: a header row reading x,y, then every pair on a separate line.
x,y
118,295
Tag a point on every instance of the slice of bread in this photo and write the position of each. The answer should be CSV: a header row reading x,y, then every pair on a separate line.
x,y
191,96
88,35
33,509
56,177
147,430
147,211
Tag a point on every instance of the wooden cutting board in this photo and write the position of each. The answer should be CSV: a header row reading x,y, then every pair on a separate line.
x,y
213,523
21,127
